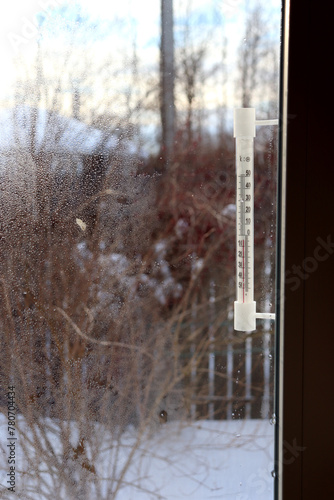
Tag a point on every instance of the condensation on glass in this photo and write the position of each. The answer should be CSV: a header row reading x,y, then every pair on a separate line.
x,y
121,375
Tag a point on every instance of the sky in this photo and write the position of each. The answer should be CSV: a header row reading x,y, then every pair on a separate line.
x,y
19,34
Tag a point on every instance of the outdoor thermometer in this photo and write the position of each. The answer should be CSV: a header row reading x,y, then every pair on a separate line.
x,y
245,314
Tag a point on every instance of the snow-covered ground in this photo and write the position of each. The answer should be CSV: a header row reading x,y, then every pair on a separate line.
x,y
198,461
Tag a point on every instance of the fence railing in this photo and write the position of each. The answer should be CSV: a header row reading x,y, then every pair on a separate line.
x,y
234,379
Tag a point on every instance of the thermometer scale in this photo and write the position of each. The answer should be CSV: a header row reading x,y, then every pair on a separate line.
x,y
245,314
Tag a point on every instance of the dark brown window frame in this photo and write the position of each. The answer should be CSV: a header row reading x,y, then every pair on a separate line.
x,y
305,340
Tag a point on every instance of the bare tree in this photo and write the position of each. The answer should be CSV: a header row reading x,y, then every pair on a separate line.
x,y
167,79
194,68
191,63
251,54
109,308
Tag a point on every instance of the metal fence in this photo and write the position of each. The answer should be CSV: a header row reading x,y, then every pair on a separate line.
x,y
234,380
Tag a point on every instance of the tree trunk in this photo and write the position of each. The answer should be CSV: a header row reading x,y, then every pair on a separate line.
x,y
167,80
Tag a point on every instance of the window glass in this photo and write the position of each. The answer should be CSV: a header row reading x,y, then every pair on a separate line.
x,y
121,374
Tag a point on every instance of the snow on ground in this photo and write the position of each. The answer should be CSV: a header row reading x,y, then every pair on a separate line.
x,y
199,461
207,460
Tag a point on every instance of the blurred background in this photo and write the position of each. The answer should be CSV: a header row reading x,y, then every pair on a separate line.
x,y
117,217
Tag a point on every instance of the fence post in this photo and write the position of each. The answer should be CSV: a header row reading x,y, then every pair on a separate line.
x,y
266,376
229,370
192,359
248,370
212,357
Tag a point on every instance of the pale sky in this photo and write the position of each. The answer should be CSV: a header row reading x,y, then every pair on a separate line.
x,y
17,18
18,34
19,37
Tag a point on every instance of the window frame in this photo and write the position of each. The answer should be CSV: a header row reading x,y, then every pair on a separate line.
x,y
305,341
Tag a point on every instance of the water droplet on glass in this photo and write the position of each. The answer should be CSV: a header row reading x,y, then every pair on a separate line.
x,y
273,473
273,419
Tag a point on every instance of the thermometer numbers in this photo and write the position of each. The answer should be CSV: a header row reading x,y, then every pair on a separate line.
x,y
244,218
243,246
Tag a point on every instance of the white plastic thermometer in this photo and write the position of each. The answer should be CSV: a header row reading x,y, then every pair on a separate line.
x,y
244,132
